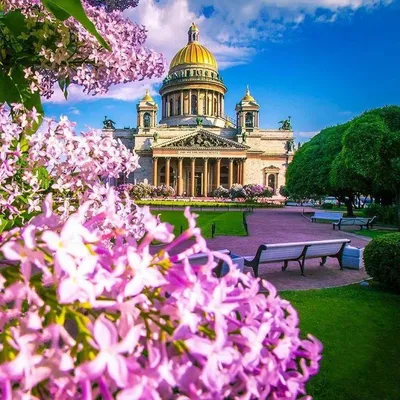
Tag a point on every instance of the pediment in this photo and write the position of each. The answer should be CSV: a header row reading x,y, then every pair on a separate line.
x,y
201,139
271,168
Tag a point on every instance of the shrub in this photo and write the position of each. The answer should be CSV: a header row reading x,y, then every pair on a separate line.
x,y
283,191
327,206
237,192
221,192
384,214
382,260
165,191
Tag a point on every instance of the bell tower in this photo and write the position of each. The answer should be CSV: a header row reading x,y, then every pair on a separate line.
x,y
146,112
247,113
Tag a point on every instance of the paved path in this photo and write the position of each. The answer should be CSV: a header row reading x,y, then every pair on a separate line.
x,y
289,225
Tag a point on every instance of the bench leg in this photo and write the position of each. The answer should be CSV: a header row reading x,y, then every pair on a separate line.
x,y
255,269
301,263
323,261
285,265
340,261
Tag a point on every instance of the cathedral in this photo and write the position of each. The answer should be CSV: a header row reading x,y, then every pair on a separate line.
x,y
196,147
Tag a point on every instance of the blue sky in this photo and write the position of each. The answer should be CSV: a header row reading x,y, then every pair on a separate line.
x,y
321,65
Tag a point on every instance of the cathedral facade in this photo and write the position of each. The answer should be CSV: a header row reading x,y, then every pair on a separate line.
x,y
195,147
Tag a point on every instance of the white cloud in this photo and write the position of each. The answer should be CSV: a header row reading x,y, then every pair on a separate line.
x,y
168,21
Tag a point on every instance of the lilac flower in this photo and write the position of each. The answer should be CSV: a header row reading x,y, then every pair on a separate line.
x,y
109,357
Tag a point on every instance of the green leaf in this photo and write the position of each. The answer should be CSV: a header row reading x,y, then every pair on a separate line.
x,y
62,9
15,22
58,12
9,93
3,223
14,88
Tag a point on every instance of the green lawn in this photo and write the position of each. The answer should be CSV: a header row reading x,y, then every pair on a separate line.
x,y
229,223
372,233
360,329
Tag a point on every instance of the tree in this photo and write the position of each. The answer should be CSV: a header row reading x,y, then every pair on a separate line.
x,y
371,151
309,174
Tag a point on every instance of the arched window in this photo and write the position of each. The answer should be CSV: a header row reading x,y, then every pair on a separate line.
x,y
194,105
146,120
215,107
179,105
171,107
249,120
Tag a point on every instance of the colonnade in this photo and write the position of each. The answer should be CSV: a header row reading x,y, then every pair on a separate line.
x,y
198,176
193,102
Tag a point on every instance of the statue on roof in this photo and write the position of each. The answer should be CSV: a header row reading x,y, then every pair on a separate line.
x,y
199,121
289,145
244,137
108,123
155,137
286,124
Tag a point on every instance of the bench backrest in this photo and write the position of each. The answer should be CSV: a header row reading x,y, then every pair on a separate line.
x,y
328,215
292,251
354,221
323,249
281,253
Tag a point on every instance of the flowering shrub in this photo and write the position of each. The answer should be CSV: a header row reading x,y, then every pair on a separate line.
x,y
141,190
221,192
111,5
237,192
165,191
67,52
255,190
81,318
71,165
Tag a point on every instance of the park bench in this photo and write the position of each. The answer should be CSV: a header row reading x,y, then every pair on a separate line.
x,y
221,268
325,215
361,222
300,252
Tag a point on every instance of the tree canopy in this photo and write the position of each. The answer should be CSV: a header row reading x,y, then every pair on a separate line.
x,y
360,156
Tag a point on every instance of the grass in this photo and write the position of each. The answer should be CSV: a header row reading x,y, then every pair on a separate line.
x,y
360,329
372,233
228,223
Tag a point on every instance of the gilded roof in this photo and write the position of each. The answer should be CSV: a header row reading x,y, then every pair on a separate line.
x,y
147,96
194,53
248,96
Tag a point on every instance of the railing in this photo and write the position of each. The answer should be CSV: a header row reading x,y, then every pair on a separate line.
x,y
229,119
172,81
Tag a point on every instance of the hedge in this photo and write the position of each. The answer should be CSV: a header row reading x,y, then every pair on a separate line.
x,y
382,260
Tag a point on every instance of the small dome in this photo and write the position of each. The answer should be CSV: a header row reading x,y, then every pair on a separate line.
x,y
147,96
194,52
248,96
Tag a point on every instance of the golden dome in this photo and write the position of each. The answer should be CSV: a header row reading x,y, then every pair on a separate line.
x,y
147,96
194,52
248,96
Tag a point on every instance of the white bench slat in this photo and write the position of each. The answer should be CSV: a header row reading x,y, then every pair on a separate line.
x,y
332,216
324,250
281,253
298,251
